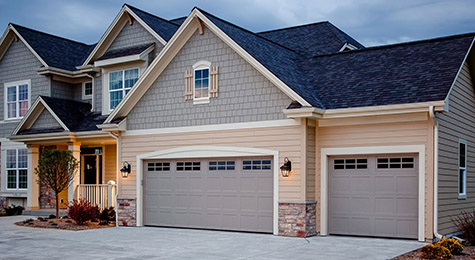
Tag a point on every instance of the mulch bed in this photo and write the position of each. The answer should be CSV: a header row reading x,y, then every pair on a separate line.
x,y
468,253
66,224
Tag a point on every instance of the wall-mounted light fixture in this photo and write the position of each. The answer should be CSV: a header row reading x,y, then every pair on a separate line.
x,y
125,170
286,168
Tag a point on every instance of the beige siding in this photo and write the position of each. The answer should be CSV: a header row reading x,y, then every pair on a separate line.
x,y
310,173
459,122
286,139
385,134
110,163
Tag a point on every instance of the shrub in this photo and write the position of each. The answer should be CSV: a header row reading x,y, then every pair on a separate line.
x,y
82,211
51,216
435,251
14,210
107,215
452,244
465,224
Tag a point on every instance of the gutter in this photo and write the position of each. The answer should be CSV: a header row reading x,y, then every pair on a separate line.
x,y
117,138
436,172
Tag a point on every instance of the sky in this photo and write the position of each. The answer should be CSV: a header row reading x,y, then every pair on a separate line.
x,y
371,22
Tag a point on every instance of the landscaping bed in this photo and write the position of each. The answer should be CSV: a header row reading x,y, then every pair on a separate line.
x,y
467,253
65,224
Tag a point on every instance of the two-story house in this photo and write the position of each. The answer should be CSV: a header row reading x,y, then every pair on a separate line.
x,y
196,122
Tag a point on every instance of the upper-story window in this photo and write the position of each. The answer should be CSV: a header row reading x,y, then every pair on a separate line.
x,y
87,90
201,83
17,99
462,171
120,82
201,86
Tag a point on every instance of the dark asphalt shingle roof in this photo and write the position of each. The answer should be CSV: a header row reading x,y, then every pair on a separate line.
x,y
56,51
178,21
312,39
411,72
125,52
77,116
162,27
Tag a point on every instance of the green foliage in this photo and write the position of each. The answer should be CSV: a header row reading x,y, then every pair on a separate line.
x,y
465,224
452,244
435,251
14,210
56,170
82,211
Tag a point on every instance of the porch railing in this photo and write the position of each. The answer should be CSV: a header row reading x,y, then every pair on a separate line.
x,y
101,195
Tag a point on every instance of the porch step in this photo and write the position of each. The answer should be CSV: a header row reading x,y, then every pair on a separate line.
x,y
44,212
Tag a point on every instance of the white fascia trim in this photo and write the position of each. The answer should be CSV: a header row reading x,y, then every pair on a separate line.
x,y
207,152
458,73
349,46
150,30
136,57
326,152
61,72
217,127
121,126
28,45
58,135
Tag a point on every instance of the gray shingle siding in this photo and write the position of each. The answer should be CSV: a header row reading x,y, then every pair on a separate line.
x,y
45,121
459,122
62,90
244,94
20,64
132,35
98,93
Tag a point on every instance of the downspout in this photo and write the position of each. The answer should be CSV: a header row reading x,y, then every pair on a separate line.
x,y
436,171
117,139
93,91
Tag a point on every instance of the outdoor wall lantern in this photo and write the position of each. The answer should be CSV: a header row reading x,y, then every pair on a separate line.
x,y
286,168
125,170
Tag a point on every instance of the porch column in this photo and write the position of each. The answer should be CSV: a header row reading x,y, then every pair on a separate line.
x,y
75,148
33,193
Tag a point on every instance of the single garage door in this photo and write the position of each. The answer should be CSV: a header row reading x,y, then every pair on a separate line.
x,y
224,193
374,196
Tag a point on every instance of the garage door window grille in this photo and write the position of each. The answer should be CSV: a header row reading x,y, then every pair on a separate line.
x,y
159,167
345,164
396,163
249,165
222,165
188,166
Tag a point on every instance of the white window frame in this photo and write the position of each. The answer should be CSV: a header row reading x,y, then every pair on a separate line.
x,y
201,65
123,85
16,169
5,106
462,195
84,96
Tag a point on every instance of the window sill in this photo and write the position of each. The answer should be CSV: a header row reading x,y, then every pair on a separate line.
x,y
12,120
200,101
462,197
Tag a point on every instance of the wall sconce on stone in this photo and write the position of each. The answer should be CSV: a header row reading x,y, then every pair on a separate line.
x,y
125,170
286,168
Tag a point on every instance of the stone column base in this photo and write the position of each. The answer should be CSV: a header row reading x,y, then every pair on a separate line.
x,y
127,211
297,219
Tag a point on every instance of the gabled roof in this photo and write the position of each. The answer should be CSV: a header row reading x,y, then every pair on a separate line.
x,y
163,27
56,51
313,39
125,51
419,71
72,115
178,21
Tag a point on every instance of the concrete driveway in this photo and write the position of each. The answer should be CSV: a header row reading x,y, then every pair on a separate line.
x,y
166,243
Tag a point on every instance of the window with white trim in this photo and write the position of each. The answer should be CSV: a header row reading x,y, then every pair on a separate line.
x,y
201,84
120,82
17,99
87,90
17,169
462,171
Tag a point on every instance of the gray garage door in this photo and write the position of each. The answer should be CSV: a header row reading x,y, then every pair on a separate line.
x,y
374,196
224,193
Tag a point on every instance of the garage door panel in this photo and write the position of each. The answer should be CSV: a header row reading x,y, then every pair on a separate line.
x,y
379,199
211,197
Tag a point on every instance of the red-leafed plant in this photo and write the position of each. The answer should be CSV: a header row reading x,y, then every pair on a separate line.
x,y
82,211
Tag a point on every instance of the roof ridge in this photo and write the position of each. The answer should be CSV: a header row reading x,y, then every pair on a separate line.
x,y
64,99
294,27
246,30
333,30
399,44
178,18
158,17
51,35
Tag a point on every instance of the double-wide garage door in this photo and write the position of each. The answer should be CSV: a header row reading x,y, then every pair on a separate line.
x,y
374,196
224,193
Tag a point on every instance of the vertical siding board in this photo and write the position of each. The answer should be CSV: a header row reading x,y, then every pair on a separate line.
x,y
459,122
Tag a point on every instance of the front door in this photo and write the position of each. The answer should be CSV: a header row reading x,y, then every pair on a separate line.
x,y
91,166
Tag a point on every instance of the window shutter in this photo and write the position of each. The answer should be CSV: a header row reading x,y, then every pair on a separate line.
x,y
213,86
188,84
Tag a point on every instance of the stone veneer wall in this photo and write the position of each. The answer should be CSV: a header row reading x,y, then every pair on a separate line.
x,y
127,211
297,219
47,198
